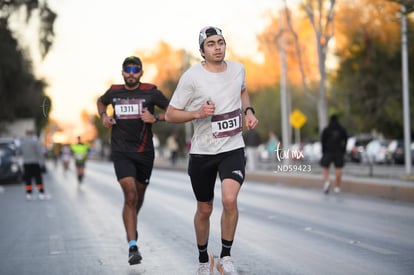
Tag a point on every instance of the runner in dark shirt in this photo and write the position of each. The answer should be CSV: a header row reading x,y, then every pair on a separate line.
x,y
131,141
130,133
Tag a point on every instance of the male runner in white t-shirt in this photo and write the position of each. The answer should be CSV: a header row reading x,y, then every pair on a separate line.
x,y
213,95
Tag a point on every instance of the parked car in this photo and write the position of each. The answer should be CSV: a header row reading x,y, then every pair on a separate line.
x,y
356,147
394,148
350,143
11,163
312,152
11,142
376,151
395,152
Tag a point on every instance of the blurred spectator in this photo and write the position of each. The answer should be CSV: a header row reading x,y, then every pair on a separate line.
x,y
156,142
66,156
334,138
172,147
33,161
252,141
272,142
55,152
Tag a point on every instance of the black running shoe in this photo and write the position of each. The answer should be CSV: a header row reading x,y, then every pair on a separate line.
x,y
134,255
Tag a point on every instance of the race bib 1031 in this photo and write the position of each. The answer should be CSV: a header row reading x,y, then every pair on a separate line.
x,y
228,124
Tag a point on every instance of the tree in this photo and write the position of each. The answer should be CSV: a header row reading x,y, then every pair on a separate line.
x,y
409,4
46,18
306,69
21,93
369,75
321,17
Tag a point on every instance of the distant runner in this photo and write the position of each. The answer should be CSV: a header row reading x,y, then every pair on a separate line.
x,y
80,154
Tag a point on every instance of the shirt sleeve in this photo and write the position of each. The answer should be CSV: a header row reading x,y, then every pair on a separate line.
x,y
183,92
105,98
160,100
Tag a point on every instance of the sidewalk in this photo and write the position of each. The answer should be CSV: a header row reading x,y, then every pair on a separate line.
x,y
385,182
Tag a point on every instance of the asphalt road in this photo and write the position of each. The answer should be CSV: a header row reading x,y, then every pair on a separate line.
x,y
282,230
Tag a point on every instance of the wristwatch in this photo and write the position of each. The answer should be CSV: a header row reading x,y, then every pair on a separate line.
x,y
249,108
157,117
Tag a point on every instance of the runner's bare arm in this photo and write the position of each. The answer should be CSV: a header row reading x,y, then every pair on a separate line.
x,y
148,117
178,115
106,120
250,119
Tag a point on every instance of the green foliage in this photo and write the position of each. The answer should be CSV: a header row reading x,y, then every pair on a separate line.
x,y
46,31
10,66
103,133
42,117
268,111
21,93
370,81
409,4
267,107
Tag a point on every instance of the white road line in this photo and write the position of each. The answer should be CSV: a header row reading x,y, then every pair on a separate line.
x,y
360,244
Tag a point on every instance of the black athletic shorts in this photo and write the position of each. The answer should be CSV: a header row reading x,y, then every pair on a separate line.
x,y
132,164
336,159
203,170
80,163
32,171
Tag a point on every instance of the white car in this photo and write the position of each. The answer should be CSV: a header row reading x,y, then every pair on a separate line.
x,y
376,151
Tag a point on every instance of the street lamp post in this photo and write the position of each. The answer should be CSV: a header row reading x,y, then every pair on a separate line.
x,y
283,86
406,97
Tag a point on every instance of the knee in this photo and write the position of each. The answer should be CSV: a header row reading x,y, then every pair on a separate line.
x,y
204,209
129,189
131,198
229,203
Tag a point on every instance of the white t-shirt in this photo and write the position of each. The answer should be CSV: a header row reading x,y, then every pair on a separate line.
x,y
223,131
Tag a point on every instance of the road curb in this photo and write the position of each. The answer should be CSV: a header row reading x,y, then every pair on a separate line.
x,y
389,189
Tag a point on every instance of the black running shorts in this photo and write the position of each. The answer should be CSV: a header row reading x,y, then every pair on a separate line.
x,y
203,170
336,159
132,164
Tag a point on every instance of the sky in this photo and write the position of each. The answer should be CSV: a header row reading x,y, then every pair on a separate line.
x,y
93,37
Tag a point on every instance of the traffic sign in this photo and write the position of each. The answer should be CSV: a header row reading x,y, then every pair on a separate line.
x,y
297,119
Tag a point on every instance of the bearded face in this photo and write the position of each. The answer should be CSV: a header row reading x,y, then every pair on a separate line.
x,y
131,81
131,75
